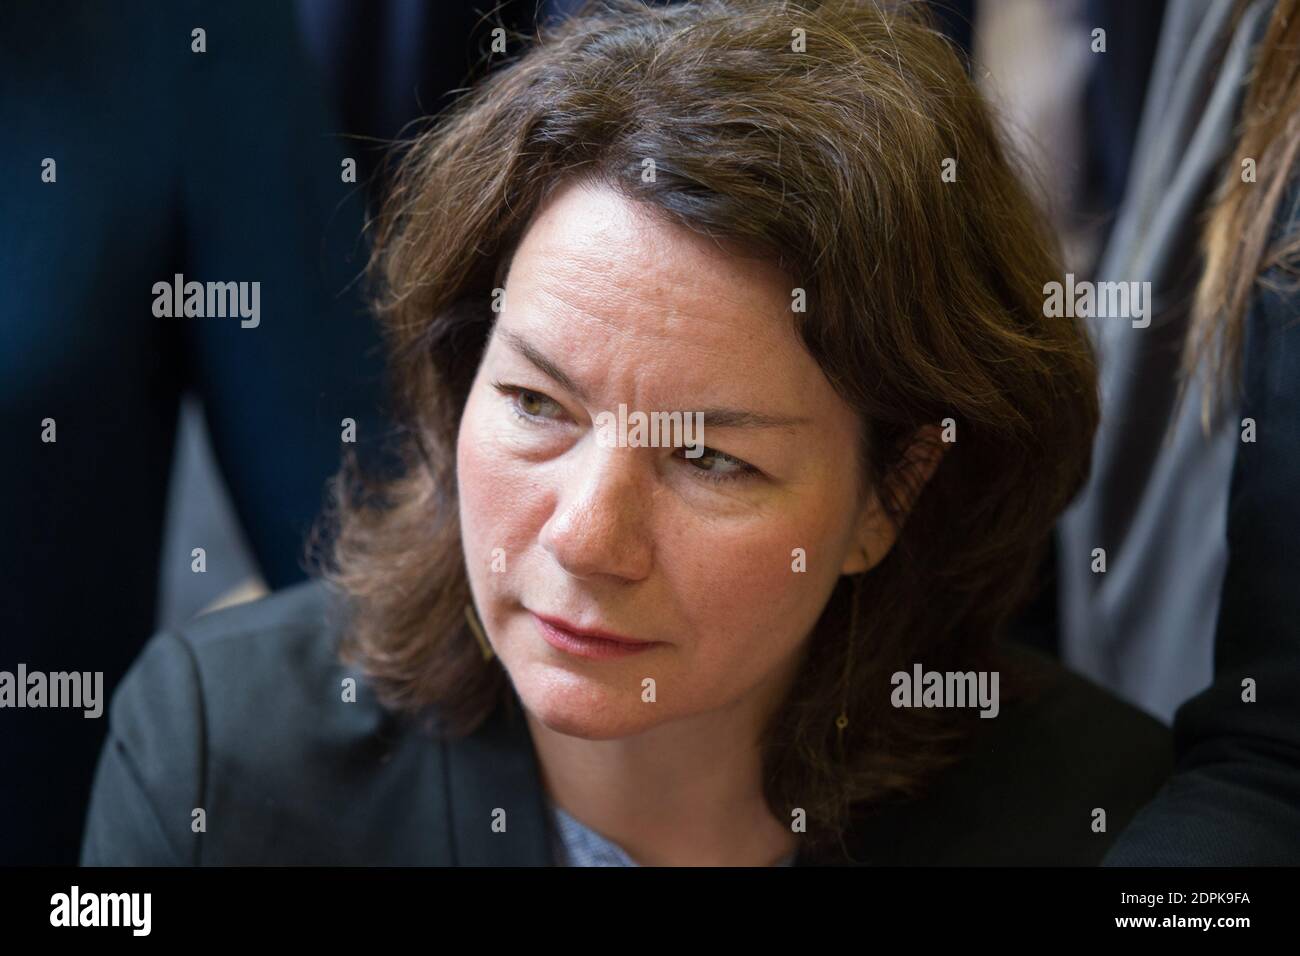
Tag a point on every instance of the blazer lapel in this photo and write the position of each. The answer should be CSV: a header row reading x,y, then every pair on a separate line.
x,y
493,775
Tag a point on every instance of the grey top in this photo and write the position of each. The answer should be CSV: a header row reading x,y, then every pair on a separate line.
x,y
576,844
1157,497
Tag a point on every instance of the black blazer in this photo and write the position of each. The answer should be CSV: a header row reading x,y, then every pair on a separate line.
x,y
240,714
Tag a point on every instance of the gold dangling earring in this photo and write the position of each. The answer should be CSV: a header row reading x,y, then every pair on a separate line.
x,y
842,720
471,615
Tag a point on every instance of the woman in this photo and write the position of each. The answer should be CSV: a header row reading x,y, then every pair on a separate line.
x,y
797,223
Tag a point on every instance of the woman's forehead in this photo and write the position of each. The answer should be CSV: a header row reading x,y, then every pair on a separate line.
x,y
597,260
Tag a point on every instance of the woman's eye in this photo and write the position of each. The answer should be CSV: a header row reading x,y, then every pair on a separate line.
x,y
528,405
719,467
534,408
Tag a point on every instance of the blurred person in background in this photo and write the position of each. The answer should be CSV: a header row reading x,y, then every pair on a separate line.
x,y
1196,616
134,151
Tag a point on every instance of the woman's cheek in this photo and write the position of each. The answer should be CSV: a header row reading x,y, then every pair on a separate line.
x,y
750,580
500,494
478,480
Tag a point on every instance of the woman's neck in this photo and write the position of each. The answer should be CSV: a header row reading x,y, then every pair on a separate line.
x,y
684,793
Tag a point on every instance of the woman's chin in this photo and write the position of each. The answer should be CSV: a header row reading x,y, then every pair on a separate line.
x,y
585,708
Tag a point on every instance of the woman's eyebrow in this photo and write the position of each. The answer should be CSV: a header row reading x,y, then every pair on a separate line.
x,y
545,365
741,418
717,417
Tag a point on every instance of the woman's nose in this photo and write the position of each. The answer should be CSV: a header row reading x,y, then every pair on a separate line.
x,y
599,526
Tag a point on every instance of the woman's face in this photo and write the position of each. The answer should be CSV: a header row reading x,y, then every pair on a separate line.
x,y
698,555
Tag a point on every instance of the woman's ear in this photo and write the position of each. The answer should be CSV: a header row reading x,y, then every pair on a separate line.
x,y
877,532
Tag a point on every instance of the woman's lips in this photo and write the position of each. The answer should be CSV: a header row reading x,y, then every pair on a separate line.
x,y
586,645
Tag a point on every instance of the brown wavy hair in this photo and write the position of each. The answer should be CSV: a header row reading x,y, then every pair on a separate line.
x,y
1239,258
925,303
